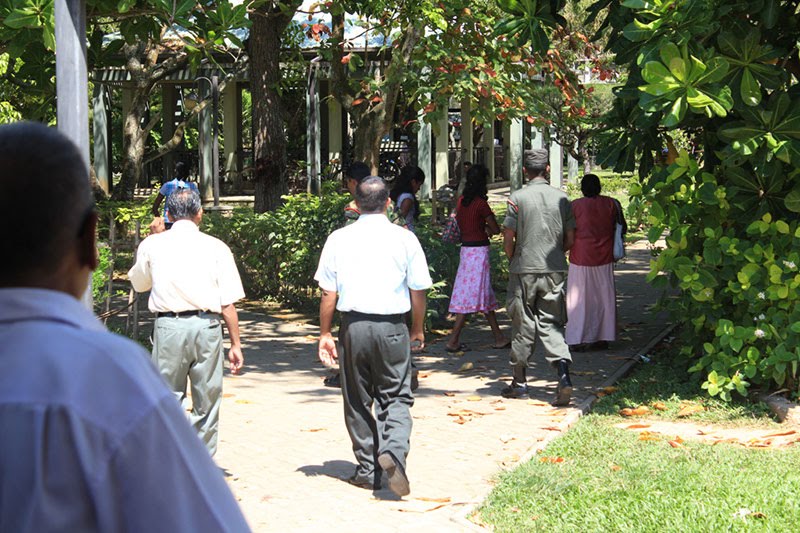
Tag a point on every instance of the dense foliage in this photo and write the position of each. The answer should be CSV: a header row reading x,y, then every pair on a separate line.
x,y
722,74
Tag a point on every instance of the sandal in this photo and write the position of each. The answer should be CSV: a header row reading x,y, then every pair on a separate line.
x,y
460,348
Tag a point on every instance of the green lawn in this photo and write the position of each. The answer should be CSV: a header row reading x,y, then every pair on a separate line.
x,y
601,478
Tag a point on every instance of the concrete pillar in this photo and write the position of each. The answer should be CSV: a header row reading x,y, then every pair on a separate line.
x,y
206,145
515,153
424,150
488,145
102,139
169,101
442,135
335,141
231,131
537,138
314,137
556,163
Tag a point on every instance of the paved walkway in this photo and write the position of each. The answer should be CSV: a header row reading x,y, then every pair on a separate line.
x,y
286,452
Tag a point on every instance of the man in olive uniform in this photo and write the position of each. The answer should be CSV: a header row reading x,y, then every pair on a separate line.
x,y
539,227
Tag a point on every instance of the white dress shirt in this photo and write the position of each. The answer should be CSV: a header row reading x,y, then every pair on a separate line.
x,y
90,437
185,270
372,264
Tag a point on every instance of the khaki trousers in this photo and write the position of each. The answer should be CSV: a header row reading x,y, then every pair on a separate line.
x,y
191,347
536,305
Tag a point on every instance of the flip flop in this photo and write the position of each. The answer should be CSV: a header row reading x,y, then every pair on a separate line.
x,y
502,346
460,348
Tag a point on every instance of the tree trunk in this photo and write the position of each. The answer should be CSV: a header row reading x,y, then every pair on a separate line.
x,y
269,141
133,145
585,158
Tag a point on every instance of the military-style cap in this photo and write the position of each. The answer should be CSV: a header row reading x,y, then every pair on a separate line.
x,y
536,159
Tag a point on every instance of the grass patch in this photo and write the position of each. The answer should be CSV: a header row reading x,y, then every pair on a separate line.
x,y
598,477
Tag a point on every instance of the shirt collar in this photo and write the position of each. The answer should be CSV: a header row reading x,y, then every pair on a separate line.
x,y
25,303
373,218
184,225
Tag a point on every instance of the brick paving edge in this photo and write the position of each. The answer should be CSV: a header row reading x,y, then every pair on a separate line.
x,y
584,407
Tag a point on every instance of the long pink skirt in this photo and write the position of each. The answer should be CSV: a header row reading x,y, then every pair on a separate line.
x,y
591,304
472,289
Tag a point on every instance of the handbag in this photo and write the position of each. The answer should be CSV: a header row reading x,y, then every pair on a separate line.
x,y
619,240
451,233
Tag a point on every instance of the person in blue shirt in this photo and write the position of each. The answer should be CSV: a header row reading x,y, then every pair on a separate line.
x,y
181,181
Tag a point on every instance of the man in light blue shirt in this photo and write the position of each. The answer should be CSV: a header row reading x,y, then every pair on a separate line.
x,y
90,437
373,272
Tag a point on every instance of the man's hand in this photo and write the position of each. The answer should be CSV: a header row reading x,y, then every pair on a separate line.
x,y
157,225
235,359
327,350
417,340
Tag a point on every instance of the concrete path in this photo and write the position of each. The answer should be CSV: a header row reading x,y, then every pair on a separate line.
x,y
286,452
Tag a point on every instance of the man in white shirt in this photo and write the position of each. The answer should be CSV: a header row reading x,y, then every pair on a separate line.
x,y
90,438
193,282
373,272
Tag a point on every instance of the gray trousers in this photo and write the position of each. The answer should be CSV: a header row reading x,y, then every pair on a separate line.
x,y
536,305
191,347
376,371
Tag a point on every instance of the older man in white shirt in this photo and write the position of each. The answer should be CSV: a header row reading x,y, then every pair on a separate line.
x,y
90,438
373,272
193,282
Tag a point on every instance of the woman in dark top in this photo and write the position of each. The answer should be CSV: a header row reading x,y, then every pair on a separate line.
x,y
472,290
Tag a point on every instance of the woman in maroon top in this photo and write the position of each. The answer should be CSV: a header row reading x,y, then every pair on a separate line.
x,y
591,296
472,289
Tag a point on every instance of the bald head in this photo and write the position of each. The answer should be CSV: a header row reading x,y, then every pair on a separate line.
x,y
45,200
371,195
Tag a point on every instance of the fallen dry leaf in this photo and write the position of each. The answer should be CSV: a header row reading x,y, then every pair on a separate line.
x,y
460,420
616,468
551,459
551,428
659,406
474,398
506,438
609,390
314,430
423,375
243,401
689,409
538,402
675,444
499,407
228,395
435,500
451,394
646,435
784,434
638,411
466,366
514,509
637,426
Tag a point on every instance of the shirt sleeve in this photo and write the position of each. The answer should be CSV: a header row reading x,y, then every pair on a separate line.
x,y
230,283
568,216
418,275
165,190
139,275
512,213
326,270
484,210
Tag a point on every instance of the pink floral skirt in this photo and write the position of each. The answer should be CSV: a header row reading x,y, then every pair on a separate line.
x,y
472,290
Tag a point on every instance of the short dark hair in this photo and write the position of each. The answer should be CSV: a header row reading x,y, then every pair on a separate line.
x,y
181,170
358,171
45,198
590,185
183,203
371,195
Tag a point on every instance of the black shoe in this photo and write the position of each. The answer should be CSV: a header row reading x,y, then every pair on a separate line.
x,y
564,389
364,482
334,380
515,391
398,482
414,379
598,346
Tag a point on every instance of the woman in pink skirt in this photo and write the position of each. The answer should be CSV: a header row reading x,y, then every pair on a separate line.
x,y
591,296
472,290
